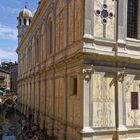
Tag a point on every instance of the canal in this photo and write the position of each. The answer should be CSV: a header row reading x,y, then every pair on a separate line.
x,y
10,128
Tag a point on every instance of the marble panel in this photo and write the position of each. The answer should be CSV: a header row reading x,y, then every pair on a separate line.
x,y
103,100
104,19
132,84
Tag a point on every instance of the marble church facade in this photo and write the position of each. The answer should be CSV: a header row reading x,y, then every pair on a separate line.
x,y
79,69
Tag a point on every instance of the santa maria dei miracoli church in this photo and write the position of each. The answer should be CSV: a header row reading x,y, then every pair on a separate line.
x,y
79,68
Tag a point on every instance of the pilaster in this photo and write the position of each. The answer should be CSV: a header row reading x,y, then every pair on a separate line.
x,y
122,21
88,20
39,84
23,98
30,86
22,92
53,92
87,131
65,25
120,106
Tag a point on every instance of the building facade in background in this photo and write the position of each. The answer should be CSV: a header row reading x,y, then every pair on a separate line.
x,y
79,68
12,69
4,79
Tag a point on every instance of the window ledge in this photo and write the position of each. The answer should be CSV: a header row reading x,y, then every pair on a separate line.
x,y
133,40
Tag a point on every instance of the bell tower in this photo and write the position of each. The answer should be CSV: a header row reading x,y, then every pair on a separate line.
x,y
24,20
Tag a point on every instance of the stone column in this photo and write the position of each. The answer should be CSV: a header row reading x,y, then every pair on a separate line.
x,y
54,95
28,104
34,96
25,98
120,107
30,86
45,100
87,131
27,91
65,25
20,95
22,23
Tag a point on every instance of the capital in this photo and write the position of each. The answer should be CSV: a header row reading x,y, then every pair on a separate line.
x,y
122,75
87,72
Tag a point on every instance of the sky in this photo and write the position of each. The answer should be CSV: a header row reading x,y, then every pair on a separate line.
x,y
9,10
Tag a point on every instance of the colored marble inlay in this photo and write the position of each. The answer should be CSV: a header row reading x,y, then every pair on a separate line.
x,y
104,13
134,100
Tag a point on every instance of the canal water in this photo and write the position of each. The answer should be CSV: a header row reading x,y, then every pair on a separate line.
x,y
10,129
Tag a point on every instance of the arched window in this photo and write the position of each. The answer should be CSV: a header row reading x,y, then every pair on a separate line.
x,y
50,36
24,21
33,51
43,43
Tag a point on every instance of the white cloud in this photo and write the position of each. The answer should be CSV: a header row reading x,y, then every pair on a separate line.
x,y
7,32
4,53
8,55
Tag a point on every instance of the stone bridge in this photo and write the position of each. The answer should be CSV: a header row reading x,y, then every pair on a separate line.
x,y
9,97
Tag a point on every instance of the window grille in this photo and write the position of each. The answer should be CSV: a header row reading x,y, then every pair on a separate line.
x,y
132,18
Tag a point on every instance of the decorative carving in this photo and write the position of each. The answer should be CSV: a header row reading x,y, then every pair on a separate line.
x,y
129,84
87,73
122,75
104,13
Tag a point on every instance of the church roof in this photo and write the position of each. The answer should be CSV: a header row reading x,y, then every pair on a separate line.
x,y
25,13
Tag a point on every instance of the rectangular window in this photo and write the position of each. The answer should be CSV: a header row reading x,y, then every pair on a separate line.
x,y
134,100
132,18
74,85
